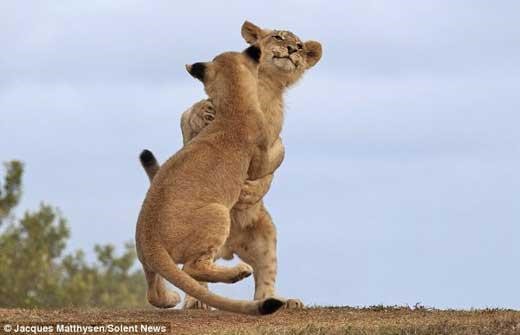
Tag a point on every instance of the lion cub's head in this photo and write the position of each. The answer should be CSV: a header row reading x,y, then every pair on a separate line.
x,y
285,57
230,78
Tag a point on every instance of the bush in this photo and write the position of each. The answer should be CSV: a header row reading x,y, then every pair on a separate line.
x,y
34,271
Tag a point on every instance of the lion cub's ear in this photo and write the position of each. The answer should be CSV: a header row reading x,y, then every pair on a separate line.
x,y
312,52
254,53
197,70
251,33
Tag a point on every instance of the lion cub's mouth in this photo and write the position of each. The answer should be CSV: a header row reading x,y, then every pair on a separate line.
x,y
284,57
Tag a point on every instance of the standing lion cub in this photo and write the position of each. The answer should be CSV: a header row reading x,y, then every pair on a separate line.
x,y
185,217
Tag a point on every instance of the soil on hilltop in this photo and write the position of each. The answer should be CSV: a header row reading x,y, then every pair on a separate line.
x,y
376,320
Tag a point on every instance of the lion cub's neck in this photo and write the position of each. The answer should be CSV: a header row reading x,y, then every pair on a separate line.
x,y
270,95
238,107
240,102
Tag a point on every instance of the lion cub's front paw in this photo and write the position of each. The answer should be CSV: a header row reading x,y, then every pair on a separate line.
x,y
208,112
253,191
294,304
196,118
201,114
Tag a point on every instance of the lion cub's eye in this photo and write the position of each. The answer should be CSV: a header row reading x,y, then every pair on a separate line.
x,y
279,38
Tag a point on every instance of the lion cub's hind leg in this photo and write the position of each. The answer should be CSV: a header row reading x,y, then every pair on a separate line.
x,y
257,246
158,295
192,303
213,225
205,269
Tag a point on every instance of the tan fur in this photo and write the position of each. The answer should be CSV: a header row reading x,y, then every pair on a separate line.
x,y
253,235
185,216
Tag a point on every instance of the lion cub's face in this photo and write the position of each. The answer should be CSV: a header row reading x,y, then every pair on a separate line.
x,y
229,75
284,55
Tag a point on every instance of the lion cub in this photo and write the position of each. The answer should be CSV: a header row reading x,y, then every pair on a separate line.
x,y
185,216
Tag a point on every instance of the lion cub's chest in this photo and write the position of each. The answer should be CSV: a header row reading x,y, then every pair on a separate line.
x,y
273,114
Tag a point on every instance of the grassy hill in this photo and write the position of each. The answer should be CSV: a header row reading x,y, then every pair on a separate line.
x,y
376,320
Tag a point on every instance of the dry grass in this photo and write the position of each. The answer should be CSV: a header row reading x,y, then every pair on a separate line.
x,y
376,320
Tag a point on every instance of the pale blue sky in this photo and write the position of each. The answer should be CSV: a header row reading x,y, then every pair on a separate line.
x,y
401,179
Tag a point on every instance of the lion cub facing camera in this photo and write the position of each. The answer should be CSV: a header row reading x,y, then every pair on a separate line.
x,y
185,216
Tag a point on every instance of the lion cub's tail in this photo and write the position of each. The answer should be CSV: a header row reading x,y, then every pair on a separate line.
x,y
162,263
149,163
